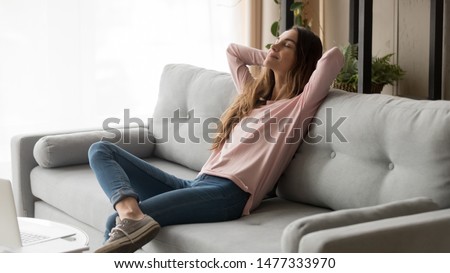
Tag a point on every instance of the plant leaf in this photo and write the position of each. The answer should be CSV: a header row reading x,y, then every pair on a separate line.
x,y
274,29
296,6
383,72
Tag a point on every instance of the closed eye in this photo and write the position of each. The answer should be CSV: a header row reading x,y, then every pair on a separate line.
x,y
286,43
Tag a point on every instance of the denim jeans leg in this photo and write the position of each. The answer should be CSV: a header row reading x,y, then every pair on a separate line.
x,y
121,174
166,198
209,199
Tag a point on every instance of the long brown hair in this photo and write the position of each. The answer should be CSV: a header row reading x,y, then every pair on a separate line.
x,y
255,93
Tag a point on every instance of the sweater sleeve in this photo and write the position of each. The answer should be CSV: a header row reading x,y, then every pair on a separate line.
x,y
317,88
327,69
239,57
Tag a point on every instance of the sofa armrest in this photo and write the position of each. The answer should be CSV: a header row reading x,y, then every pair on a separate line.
x,y
22,162
295,231
57,149
420,233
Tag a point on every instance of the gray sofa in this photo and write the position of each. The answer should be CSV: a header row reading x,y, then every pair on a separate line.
x,y
373,174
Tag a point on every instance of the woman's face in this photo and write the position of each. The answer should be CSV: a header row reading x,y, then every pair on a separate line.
x,y
282,55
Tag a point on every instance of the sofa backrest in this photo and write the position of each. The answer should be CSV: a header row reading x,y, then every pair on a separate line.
x,y
190,103
365,150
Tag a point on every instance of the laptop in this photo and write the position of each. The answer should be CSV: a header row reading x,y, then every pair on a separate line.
x,y
15,237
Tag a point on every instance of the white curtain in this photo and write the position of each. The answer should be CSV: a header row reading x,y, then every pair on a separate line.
x,y
68,64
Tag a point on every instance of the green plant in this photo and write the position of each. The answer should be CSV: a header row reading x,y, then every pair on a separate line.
x,y
383,72
299,14
299,18
349,72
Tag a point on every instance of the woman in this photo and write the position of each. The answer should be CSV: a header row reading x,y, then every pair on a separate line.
x,y
258,137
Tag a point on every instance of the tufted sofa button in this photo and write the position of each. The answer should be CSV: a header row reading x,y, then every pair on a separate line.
x,y
391,166
333,155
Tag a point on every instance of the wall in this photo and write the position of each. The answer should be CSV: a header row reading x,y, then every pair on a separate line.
x,y
401,27
413,33
334,22
270,14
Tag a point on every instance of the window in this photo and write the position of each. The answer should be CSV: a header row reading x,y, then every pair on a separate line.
x,y
71,64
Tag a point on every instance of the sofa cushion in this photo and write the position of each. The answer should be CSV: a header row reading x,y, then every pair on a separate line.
x,y
190,103
363,150
257,233
72,149
296,230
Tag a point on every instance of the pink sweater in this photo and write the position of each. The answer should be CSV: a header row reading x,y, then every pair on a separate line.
x,y
261,145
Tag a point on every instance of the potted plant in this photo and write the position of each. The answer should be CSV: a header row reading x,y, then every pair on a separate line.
x,y
383,72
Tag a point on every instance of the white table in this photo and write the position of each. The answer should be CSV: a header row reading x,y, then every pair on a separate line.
x,y
78,242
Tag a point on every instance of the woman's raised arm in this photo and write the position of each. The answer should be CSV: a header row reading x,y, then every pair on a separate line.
x,y
239,57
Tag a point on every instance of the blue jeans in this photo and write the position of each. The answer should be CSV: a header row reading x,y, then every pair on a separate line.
x,y
167,199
